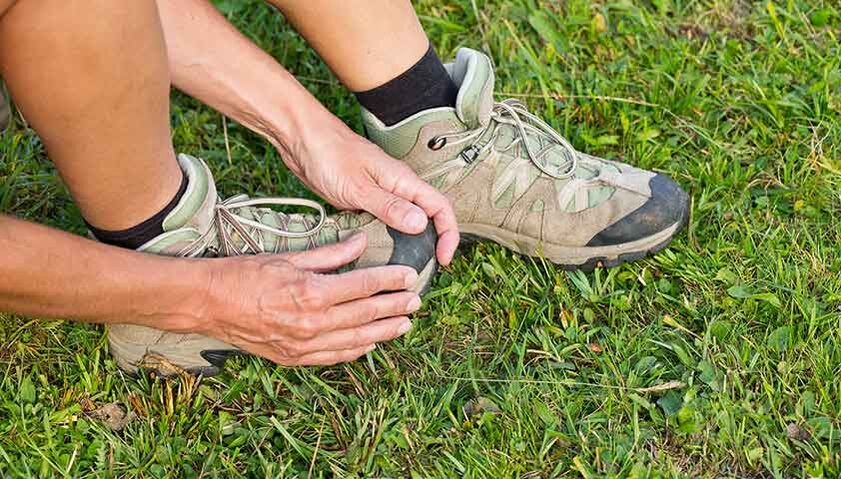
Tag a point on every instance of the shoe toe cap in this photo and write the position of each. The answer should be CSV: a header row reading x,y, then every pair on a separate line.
x,y
668,205
415,251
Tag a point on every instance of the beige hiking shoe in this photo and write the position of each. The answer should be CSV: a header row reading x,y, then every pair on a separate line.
x,y
202,225
514,180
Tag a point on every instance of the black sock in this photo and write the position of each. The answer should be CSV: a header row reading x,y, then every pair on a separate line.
x,y
137,236
426,85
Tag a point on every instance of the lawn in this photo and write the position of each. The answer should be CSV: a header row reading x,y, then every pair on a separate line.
x,y
719,357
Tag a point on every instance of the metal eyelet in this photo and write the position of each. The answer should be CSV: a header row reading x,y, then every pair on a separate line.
x,y
436,143
470,154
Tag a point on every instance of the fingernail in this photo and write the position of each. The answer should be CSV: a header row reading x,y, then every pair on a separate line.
x,y
414,304
370,348
416,220
444,260
411,279
405,327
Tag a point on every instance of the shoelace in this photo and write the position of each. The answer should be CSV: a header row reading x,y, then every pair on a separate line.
x,y
514,113
226,220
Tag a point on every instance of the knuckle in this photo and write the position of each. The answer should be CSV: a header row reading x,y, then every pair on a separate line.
x,y
279,356
371,310
358,337
307,328
393,206
308,294
292,257
371,282
292,349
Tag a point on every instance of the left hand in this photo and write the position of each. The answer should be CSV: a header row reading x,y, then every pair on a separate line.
x,y
350,172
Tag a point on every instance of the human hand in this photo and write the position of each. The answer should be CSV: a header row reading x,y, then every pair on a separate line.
x,y
352,173
342,167
283,308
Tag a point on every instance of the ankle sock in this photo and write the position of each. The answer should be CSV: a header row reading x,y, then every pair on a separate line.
x,y
138,235
423,86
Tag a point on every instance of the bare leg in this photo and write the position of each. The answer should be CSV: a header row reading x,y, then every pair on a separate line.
x,y
91,76
365,42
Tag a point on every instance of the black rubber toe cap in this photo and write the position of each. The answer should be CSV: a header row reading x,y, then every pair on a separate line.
x,y
668,205
217,359
413,250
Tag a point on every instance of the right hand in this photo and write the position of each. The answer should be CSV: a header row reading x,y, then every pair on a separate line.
x,y
283,308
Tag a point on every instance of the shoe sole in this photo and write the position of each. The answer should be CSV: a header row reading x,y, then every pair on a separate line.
x,y
584,258
193,355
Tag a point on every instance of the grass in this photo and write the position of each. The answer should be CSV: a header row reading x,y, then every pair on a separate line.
x,y
719,357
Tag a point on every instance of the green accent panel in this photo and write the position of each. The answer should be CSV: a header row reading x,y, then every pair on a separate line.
x,y
505,135
472,91
182,237
191,201
268,218
597,196
506,198
296,225
398,140
438,182
503,161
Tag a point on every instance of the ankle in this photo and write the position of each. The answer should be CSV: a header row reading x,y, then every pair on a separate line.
x,y
425,85
143,232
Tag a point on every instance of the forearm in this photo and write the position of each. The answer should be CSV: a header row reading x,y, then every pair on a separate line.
x,y
50,273
213,62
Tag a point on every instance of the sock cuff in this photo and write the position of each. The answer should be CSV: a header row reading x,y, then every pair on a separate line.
x,y
142,233
423,86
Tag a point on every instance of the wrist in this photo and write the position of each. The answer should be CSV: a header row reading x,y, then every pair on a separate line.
x,y
299,119
177,298
220,301
282,112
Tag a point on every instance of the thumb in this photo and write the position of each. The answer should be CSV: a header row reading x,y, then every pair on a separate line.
x,y
330,257
395,211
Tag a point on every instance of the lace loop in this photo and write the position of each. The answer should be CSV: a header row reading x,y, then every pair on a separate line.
x,y
514,113
226,220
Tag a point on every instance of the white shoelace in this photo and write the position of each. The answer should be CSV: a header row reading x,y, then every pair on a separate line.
x,y
514,113
225,220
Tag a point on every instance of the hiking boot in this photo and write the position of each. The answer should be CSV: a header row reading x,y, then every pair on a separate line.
x,y
514,180
203,226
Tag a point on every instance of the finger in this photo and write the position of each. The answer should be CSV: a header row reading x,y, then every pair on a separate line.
x,y
439,208
402,182
394,211
366,282
331,257
374,332
329,358
362,311
448,242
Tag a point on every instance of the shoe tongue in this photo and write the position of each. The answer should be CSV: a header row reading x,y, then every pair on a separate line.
x,y
473,73
195,209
